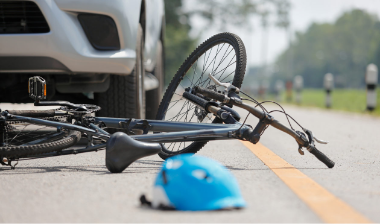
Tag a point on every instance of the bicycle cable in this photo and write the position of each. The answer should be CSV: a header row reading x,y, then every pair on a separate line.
x,y
255,101
286,114
264,109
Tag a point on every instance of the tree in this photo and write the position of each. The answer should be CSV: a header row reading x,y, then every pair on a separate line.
x,y
178,43
217,13
343,48
225,13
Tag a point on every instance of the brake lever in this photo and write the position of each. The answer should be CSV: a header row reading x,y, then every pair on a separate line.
x,y
226,85
320,141
312,138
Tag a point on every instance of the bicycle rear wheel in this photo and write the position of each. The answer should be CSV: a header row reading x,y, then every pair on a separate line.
x,y
21,139
222,55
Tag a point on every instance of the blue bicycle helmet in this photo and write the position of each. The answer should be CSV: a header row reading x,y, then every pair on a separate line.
x,y
195,183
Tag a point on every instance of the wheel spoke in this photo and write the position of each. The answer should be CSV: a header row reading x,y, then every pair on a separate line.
x,y
219,59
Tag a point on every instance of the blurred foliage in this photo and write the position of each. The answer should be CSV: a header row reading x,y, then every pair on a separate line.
x,y
178,43
352,100
216,13
343,48
224,13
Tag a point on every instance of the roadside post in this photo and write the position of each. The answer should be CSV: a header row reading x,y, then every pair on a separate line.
x,y
289,86
265,84
329,85
298,85
263,89
278,89
255,88
371,77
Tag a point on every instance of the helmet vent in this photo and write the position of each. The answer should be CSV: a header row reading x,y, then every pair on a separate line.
x,y
174,164
201,175
164,178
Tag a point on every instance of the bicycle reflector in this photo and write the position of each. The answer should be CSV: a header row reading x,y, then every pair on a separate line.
x,y
37,88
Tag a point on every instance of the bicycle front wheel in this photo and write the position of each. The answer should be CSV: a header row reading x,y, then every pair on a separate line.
x,y
223,56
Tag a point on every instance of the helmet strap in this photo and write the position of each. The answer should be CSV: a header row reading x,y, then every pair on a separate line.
x,y
145,202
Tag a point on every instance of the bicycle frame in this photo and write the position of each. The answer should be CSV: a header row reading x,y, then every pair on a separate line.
x,y
175,131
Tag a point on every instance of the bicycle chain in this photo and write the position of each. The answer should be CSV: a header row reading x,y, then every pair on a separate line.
x,y
56,118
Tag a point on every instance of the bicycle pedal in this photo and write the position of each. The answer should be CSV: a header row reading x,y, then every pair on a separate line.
x,y
37,88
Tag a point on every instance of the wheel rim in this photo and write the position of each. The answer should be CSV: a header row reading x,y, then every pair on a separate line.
x,y
220,61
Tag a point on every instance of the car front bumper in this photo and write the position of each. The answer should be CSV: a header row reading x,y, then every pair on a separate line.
x,y
67,45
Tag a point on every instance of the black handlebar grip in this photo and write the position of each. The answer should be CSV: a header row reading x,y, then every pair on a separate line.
x,y
210,93
195,99
33,113
322,157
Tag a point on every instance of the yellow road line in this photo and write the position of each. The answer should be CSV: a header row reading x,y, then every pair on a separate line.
x,y
327,206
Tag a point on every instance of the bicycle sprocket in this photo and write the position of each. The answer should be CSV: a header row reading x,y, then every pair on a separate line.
x,y
90,108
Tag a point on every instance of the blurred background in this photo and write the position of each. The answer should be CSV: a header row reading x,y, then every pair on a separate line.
x,y
291,47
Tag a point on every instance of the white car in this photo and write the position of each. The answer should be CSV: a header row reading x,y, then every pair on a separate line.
x,y
111,50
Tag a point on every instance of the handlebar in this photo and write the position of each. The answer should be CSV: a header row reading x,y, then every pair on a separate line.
x,y
322,157
265,119
257,113
196,100
227,115
211,94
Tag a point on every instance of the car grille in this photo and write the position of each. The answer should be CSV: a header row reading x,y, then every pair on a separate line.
x,y
21,17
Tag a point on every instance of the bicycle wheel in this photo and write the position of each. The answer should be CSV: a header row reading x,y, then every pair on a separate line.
x,y
21,139
222,55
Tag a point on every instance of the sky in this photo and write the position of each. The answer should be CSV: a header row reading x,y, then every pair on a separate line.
x,y
302,14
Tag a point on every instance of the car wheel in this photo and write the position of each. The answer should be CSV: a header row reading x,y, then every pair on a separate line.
x,y
153,97
126,94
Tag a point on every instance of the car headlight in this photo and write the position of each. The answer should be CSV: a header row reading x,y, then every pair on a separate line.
x,y
101,31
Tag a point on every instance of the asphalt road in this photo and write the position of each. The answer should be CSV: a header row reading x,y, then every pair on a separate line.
x,y
79,188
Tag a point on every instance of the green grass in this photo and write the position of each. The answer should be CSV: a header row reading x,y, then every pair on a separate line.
x,y
351,100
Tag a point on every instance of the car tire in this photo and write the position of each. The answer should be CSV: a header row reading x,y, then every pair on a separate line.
x,y
126,95
153,97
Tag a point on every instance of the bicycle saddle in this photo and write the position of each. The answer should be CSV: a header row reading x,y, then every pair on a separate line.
x,y
122,151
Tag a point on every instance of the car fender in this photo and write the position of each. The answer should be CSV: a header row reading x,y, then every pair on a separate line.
x,y
155,15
